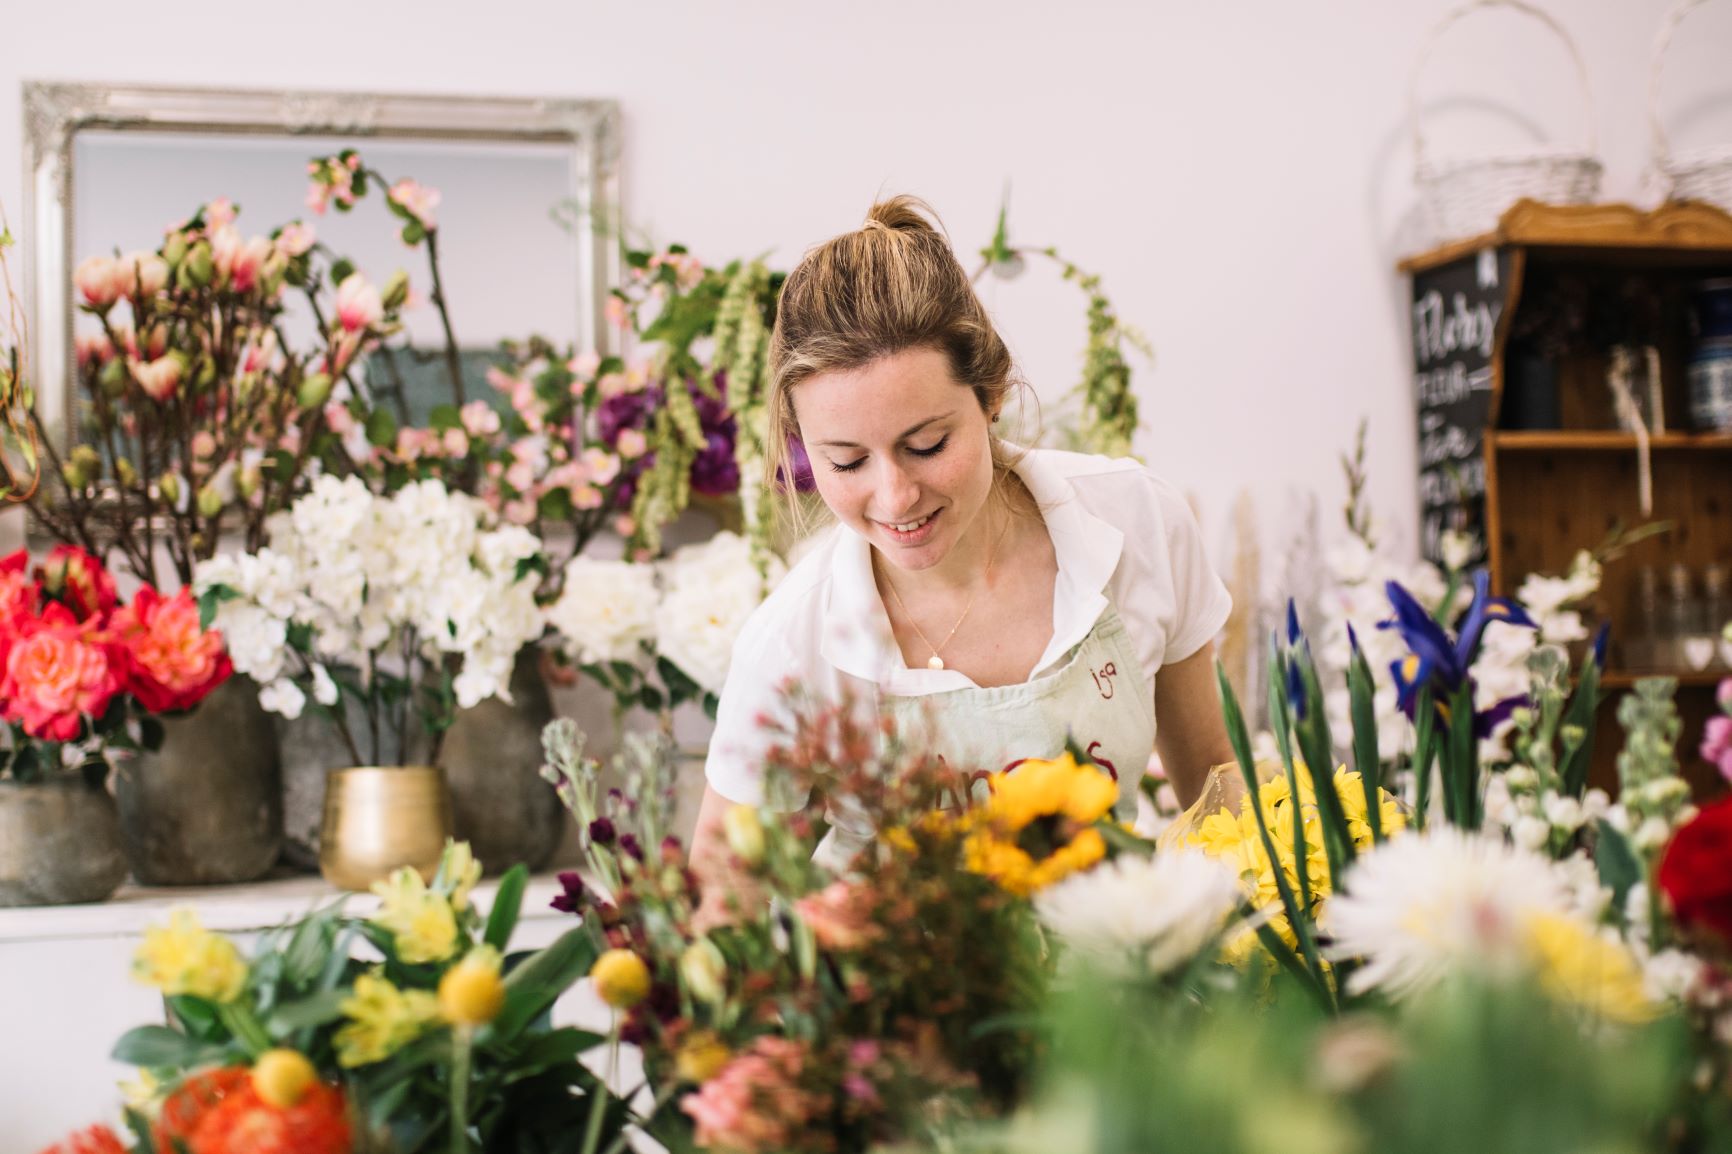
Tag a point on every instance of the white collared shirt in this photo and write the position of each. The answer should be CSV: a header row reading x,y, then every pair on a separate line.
x,y
1121,535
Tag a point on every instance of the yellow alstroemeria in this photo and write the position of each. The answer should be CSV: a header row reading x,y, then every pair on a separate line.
x,y
186,958
1579,967
420,920
382,1020
462,873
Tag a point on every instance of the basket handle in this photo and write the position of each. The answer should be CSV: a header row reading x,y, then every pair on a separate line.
x,y
1461,13
1662,42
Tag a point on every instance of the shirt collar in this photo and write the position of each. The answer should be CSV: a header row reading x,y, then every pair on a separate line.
x,y
857,639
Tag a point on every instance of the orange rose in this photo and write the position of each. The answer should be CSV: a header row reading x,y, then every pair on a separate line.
x,y
171,661
57,673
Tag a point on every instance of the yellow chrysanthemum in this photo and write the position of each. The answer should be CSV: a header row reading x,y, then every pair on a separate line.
x,y
143,1093
420,920
185,958
382,1020
1578,966
1037,826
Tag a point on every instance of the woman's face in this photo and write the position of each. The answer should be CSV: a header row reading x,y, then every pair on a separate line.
x,y
901,453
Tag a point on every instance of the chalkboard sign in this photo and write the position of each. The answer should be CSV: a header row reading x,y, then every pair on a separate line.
x,y
1457,308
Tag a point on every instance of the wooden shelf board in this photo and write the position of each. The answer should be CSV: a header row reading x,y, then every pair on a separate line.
x,y
1605,440
1625,679
1683,226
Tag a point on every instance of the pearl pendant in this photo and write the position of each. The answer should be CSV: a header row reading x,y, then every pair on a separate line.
x,y
935,662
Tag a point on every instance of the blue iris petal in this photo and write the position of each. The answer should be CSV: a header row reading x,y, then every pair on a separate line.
x,y
1296,689
1487,720
1293,633
1600,635
1425,639
1484,610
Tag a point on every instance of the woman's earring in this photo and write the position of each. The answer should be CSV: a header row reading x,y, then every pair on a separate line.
x,y
995,418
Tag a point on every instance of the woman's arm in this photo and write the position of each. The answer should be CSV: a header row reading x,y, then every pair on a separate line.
x,y
1189,732
712,861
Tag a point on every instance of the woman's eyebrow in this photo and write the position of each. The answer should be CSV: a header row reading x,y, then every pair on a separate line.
x,y
906,433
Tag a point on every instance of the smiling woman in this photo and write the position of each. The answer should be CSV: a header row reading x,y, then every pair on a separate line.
x,y
1004,600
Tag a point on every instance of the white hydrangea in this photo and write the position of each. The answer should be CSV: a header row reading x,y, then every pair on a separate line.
x,y
364,575
606,610
708,592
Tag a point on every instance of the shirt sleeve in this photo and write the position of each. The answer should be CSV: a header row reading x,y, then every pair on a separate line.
x,y
1201,601
751,703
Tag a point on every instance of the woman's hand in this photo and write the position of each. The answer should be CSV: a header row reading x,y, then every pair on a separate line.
x,y
1189,732
724,890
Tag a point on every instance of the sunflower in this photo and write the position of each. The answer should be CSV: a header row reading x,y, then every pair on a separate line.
x,y
1039,825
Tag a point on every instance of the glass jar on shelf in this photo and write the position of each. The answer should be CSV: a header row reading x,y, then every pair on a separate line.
x,y
1639,647
1717,612
1681,623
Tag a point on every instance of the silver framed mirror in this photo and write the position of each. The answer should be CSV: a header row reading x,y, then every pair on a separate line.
x,y
530,196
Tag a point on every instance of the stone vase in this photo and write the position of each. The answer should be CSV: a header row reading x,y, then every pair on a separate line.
x,y
206,808
59,843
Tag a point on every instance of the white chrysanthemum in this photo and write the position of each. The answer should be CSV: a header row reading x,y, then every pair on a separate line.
x,y
1419,907
606,609
1156,912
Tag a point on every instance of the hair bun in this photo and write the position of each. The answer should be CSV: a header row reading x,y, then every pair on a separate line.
x,y
903,214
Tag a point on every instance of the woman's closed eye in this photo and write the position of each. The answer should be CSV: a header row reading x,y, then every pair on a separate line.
x,y
929,451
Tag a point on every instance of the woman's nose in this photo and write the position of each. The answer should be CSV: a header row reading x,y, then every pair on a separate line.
x,y
897,491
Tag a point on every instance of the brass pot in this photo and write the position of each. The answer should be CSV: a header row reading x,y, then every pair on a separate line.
x,y
59,844
378,819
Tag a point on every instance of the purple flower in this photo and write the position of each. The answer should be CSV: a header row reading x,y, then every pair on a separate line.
x,y
801,466
571,901
601,831
714,471
624,411
629,845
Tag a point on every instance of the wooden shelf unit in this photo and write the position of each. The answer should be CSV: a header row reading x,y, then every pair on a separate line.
x,y
1548,493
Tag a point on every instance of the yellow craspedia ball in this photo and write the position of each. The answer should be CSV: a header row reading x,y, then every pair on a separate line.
x,y
281,1077
471,993
621,979
701,1057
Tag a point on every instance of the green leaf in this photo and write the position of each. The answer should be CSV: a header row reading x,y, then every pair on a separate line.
x,y
650,698
210,599
1461,762
507,905
381,428
341,270
1319,748
535,985
1580,714
554,1048
158,1046
1365,758
314,1010
1424,750
444,417
414,233
1616,860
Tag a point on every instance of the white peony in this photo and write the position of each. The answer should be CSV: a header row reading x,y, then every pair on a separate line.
x,y
1419,907
606,610
1155,912
709,592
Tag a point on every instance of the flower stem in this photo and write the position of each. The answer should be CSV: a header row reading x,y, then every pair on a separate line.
x,y
463,1039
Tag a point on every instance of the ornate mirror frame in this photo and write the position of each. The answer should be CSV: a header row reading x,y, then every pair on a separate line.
x,y
55,114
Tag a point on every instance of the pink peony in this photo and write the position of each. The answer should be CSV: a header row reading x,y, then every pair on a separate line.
x,y
840,916
171,662
358,304
417,200
57,673
159,378
101,280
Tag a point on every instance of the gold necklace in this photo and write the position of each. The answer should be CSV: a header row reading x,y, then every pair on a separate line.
x,y
935,661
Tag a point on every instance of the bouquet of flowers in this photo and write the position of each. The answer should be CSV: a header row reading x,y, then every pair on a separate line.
x,y
408,1029
82,675
196,418
411,605
659,635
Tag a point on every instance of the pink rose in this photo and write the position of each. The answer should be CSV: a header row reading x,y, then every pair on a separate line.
x,y
632,444
417,200
101,280
358,304
57,674
171,662
159,378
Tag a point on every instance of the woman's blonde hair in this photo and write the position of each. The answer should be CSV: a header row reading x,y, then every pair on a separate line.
x,y
891,285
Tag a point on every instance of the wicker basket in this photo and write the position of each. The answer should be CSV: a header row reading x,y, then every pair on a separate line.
x,y
1701,173
1466,197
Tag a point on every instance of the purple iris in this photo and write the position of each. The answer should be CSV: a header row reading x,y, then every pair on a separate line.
x,y
1434,660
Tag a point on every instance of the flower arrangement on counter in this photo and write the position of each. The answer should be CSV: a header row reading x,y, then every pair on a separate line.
x,y
83,675
412,605
408,1029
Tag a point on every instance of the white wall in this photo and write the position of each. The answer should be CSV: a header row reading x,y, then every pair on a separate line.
x,y
1237,171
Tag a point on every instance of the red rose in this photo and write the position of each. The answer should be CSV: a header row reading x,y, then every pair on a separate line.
x,y
1696,871
80,580
171,661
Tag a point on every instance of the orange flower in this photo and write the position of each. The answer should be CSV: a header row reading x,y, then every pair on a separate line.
x,y
318,1123
57,673
95,1140
195,1097
172,661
